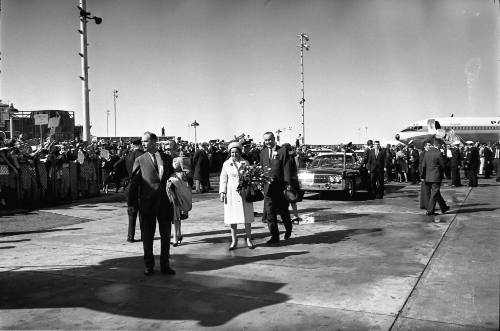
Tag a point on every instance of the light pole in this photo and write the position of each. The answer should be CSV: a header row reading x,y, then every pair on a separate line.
x,y
303,39
84,17
115,96
194,125
366,133
278,135
359,135
107,122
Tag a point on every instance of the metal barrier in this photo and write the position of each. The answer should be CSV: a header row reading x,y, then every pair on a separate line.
x,y
40,183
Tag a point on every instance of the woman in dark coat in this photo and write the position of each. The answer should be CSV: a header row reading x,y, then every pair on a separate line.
x,y
201,169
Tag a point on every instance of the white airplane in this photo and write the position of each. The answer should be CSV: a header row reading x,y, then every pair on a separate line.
x,y
451,129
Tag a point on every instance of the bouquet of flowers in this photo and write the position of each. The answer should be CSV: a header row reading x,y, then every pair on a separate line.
x,y
251,182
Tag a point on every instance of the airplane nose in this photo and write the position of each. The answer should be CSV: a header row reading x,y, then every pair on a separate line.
x,y
397,136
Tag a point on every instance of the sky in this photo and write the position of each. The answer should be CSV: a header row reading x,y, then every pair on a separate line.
x,y
374,66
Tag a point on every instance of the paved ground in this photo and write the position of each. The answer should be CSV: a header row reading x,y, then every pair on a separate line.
x,y
355,265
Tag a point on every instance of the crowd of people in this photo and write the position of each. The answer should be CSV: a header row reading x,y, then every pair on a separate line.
x,y
159,178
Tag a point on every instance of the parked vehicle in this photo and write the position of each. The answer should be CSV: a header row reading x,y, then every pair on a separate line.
x,y
334,172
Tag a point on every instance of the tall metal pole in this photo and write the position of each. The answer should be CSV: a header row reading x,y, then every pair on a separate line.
x,y
115,96
107,122
304,38
85,72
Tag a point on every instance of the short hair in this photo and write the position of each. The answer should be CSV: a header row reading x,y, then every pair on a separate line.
x,y
268,133
428,141
151,135
369,142
376,142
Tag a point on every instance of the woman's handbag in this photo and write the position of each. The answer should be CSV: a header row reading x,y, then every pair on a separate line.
x,y
251,194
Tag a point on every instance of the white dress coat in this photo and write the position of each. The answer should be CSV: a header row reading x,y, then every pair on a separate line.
x,y
236,210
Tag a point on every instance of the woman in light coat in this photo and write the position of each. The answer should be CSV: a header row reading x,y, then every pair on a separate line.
x,y
236,210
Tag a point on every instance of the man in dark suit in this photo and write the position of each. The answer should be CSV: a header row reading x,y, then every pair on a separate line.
x,y
376,168
364,160
278,160
148,192
472,163
432,170
424,195
488,161
201,166
135,152
496,160
455,160
413,160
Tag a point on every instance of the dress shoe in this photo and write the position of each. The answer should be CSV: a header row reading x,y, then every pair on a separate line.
x,y
430,213
167,271
273,241
130,240
249,243
233,245
149,271
445,210
288,233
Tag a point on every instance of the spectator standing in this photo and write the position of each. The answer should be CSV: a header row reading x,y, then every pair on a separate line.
x,y
201,169
376,168
455,160
132,210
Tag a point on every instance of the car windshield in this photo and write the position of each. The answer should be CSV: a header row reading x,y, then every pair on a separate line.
x,y
332,161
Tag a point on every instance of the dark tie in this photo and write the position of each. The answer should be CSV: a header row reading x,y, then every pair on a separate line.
x,y
155,162
270,153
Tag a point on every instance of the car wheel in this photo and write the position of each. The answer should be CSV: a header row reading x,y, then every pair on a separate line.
x,y
351,190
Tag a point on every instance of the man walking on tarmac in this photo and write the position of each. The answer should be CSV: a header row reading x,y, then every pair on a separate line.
x,y
432,171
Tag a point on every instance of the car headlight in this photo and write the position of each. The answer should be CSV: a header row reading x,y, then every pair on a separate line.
x,y
335,179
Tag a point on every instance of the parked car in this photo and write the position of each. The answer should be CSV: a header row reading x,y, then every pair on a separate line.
x,y
334,172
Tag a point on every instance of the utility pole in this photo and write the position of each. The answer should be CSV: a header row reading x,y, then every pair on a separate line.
x,y
107,122
115,96
84,17
303,39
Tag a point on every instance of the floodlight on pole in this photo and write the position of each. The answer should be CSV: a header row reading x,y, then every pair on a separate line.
x,y
107,122
303,39
194,125
85,16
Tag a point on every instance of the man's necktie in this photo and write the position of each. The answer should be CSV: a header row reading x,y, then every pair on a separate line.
x,y
270,153
376,152
155,162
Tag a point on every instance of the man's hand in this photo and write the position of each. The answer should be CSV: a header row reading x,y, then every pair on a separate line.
x,y
222,197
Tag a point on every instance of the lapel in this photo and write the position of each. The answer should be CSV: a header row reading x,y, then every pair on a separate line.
x,y
152,165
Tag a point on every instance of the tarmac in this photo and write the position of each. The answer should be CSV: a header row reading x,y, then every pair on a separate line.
x,y
351,265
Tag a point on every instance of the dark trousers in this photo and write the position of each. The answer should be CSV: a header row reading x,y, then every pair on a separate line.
x,y
149,217
274,205
455,175
412,174
133,212
496,165
472,175
424,196
434,192
377,183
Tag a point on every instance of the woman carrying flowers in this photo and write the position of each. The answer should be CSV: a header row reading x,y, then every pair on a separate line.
x,y
236,209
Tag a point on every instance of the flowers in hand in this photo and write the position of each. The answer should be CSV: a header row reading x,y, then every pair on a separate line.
x,y
255,176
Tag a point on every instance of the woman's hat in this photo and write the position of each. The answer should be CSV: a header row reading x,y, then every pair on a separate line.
x,y
234,144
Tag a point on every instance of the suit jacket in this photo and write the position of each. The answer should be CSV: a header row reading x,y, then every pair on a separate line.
x,y
129,162
421,164
472,157
455,157
413,155
376,163
281,167
148,188
433,166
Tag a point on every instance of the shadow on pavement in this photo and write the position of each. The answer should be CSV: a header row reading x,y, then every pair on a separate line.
x,y
13,233
117,287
